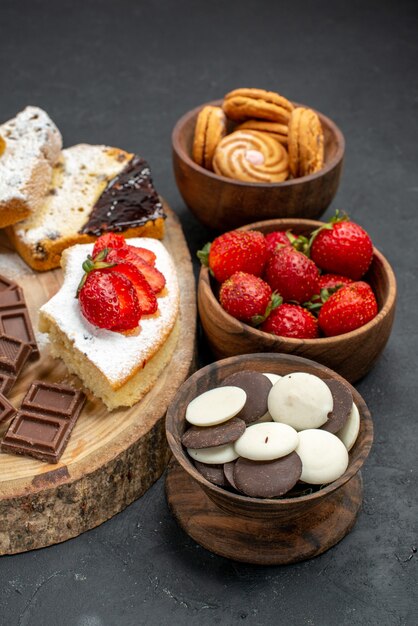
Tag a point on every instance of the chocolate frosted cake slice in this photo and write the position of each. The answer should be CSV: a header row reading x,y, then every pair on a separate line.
x,y
130,200
94,189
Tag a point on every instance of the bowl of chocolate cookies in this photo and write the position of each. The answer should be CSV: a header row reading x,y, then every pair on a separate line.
x,y
256,155
267,451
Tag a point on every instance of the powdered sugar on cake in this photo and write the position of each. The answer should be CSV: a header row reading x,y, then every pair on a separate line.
x,y
30,137
116,355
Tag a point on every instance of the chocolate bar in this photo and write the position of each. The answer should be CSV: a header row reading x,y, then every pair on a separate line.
x,y
15,322
44,422
6,409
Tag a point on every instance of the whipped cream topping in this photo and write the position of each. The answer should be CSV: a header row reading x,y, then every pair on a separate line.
x,y
116,355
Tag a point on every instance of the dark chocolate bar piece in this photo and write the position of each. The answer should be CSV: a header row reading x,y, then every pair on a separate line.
x,y
15,322
6,382
6,409
12,298
58,400
13,354
43,424
5,283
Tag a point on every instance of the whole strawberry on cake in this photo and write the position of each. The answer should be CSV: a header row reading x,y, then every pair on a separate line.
x,y
114,321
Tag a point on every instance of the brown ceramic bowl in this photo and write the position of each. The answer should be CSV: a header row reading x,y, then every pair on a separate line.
x,y
351,355
223,203
332,509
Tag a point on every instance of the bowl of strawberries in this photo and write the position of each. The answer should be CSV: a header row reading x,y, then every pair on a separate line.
x,y
314,289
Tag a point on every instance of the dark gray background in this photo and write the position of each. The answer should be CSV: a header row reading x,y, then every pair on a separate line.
x,y
121,73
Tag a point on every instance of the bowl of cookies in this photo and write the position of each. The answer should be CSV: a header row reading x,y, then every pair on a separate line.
x,y
256,155
314,289
267,451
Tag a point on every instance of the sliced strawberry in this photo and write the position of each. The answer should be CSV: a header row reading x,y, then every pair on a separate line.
x,y
152,275
109,300
109,240
144,253
146,297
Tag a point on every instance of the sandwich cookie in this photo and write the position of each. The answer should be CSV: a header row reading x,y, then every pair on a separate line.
x,y
349,432
251,156
343,402
211,436
300,400
274,129
324,456
268,479
216,406
256,388
266,442
210,128
305,142
243,104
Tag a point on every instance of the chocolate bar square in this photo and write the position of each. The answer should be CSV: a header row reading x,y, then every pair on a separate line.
x,y
13,355
6,382
15,321
5,283
6,409
52,399
10,298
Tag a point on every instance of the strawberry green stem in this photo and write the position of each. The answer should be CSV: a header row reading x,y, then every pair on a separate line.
x,y
275,301
91,264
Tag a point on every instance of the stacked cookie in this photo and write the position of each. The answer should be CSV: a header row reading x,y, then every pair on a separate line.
x,y
270,139
265,436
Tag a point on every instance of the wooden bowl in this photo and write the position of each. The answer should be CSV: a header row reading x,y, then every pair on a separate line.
x,y
351,355
223,203
260,530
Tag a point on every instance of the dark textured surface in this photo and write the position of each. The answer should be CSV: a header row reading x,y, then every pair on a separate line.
x,y
122,73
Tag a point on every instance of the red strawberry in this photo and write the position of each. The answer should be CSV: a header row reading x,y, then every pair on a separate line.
x,y
152,275
292,275
246,297
109,300
328,284
330,281
291,320
146,297
144,253
274,239
347,309
109,240
235,251
342,247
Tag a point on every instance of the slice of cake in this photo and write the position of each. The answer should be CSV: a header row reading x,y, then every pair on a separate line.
x,y
94,189
30,145
118,368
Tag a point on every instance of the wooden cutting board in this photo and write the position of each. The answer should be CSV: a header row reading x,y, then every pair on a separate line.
x,y
111,458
